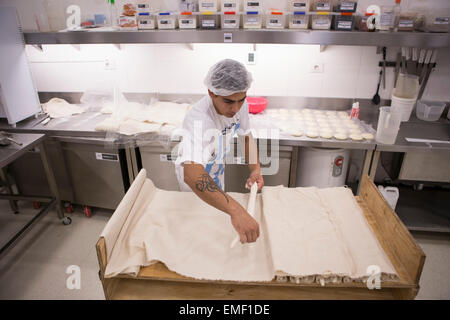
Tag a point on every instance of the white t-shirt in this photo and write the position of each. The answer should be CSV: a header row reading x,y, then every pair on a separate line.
x,y
202,124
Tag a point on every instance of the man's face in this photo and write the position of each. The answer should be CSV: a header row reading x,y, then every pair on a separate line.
x,y
230,105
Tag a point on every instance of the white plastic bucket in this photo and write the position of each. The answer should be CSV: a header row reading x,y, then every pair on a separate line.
x,y
391,195
389,122
404,106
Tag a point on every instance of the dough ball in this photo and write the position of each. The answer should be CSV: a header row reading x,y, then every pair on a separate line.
x,y
353,126
326,134
355,131
330,113
356,137
343,114
283,111
367,136
340,136
312,134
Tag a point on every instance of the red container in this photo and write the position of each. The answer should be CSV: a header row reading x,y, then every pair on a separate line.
x,y
256,104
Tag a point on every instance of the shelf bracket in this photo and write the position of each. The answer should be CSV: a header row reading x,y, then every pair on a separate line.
x,y
190,46
322,47
118,46
254,47
76,47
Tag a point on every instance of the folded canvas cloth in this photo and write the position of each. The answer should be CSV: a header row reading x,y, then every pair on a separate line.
x,y
310,233
59,108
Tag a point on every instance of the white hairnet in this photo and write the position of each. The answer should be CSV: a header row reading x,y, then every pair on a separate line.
x,y
228,77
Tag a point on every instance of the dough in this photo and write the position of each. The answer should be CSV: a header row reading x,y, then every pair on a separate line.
x,y
355,131
353,125
312,134
356,137
326,134
340,136
367,136
283,111
331,113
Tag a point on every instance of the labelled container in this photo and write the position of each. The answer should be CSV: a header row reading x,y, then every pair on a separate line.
x,y
252,20
298,20
187,5
230,20
230,5
166,20
275,20
345,6
344,22
437,21
429,110
207,5
146,21
389,122
209,20
252,5
144,6
321,6
299,6
387,18
322,167
187,20
321,21
406,22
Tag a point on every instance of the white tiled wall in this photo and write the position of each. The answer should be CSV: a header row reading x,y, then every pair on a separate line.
x,y
280,70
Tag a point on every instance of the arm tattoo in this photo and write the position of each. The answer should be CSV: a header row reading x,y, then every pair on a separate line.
x,y
206,183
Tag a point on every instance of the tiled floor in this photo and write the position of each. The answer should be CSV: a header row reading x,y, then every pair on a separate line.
x,y
36,267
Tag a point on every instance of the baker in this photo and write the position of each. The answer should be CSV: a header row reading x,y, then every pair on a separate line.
x,y
208,130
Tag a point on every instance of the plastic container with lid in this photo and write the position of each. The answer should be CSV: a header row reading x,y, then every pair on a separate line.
x,y
146,21
275,20
253,5
298,20
387,18
345,6
209,20
299,6
256,104
187,20
252,20
429,110
230,6
166,20
320,5
406,22
207,5
437,21
230,20
144,6
344,22
321,21
187,5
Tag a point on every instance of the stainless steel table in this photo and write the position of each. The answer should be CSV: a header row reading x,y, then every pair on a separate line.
x,y
12,152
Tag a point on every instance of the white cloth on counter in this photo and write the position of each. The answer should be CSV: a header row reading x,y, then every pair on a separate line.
x,y
304,232
131,118
60,108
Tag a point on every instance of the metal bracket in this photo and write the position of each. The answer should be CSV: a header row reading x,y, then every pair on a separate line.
x,y
322,47
118,46
38,47
76,46
190,46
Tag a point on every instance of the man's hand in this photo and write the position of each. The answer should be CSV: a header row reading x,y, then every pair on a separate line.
x,y
245,225
255,176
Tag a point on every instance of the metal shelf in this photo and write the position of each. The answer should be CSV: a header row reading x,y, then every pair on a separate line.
x,y
286,36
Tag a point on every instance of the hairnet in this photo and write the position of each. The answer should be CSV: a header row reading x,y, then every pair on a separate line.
x,y
228,77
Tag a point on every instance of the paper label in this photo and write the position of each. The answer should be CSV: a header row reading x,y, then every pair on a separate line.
x,y
167,158
228,37
253,4
106,156
299,5
275,22
323,6
386,19
229,22
441,20
229,5
347,25
209,23
187,21
298,21
347,6
252,21
406,24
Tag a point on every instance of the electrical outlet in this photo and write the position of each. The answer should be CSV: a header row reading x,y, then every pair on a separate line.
x,y
316,68
110,64
251,58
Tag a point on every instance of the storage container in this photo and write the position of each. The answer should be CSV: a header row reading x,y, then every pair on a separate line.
x,y
187,6
209,20
230,5
230,20
298,20
437,21
365,23
187,20
275,20
252,20
296,6
144,7
387,18
404,106
252,5
256,104
406,22
344,22
166,20
345,6
128,23
389,121
429,110
207,5
146,21
321,21
321,6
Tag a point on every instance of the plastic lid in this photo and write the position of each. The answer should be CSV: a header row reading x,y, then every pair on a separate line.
x,y
279,13
299,12
368,14
208,13
186,13
398,1
164,13
346,13
229,12
252,12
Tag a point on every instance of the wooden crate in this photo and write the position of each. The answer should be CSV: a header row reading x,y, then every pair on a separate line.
x,y
157,282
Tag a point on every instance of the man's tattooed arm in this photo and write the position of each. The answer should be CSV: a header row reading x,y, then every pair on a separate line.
x,y
206,183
